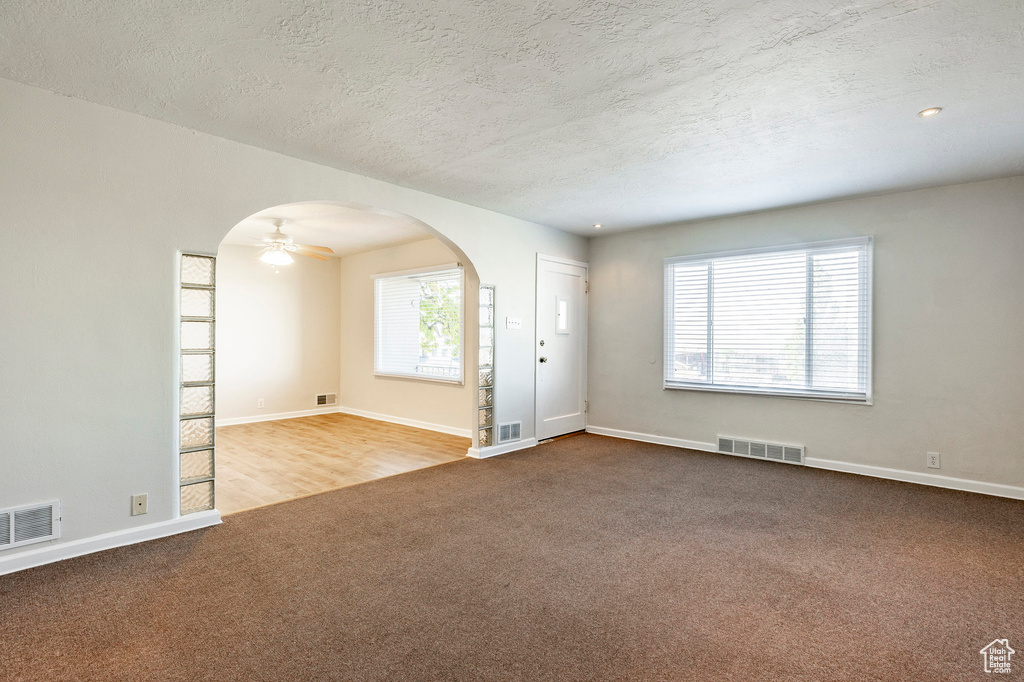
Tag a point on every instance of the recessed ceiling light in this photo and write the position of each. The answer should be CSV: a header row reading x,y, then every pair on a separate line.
x,y
597,226
929,112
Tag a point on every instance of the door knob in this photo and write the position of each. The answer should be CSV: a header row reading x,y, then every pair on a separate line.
x,y
543,359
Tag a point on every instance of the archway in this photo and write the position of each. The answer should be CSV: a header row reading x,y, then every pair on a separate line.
x,y
387,236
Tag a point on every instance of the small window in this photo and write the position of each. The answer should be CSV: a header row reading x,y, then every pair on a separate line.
x,y
562,316
418,324
793,321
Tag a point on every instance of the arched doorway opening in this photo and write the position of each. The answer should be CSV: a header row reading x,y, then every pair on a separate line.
x,y
306,400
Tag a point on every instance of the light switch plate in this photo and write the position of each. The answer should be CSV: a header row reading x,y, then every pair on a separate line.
x,y
513,323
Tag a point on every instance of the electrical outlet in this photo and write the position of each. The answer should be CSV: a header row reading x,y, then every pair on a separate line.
x,y
513,323
140,504
259,404
934,462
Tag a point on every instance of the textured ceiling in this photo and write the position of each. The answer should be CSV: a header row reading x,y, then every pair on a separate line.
x,y
346,229
566,113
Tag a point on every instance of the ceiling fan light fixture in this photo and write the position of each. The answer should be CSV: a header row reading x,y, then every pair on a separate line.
x,y
278,256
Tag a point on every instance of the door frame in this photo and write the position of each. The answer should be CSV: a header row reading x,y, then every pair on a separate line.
x,y
536,335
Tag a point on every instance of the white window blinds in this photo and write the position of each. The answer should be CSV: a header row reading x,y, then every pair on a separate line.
x,y
793,321
418,324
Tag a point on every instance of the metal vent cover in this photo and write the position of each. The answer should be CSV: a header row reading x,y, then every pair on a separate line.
x,y
29,524
32,524
510,431
793,454
778,452
327,399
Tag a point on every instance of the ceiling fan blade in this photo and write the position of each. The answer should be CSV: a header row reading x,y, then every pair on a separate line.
x,y
308,254
307,247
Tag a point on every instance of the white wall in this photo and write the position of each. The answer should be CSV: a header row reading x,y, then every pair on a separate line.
x,y
277,333
99,203
948,333
440,404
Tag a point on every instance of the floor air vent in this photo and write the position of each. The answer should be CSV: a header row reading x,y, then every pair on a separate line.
x,y
510,431
327,399
793,454
25,525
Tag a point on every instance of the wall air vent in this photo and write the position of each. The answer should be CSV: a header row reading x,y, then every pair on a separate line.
x,y
327,399
26,525
510,432
793,454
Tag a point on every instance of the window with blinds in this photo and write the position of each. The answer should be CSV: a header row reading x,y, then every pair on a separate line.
x,y
792,321
418,324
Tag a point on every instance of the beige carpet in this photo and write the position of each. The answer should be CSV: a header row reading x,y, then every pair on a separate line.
x,y
585,559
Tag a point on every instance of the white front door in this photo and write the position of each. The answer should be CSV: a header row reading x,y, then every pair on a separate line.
x,y
561,350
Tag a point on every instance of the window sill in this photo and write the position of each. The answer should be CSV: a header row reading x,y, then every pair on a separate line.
x,y
420,377
772,393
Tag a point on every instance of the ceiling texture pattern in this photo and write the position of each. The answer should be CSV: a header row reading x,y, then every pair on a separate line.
x,y
627,113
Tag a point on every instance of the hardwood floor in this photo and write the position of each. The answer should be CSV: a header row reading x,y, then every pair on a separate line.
x,y
268,462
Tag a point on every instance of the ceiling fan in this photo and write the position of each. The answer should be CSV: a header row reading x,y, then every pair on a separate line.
x,y
279,247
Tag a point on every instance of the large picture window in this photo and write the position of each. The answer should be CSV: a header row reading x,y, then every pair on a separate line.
x,y
793,321
418,324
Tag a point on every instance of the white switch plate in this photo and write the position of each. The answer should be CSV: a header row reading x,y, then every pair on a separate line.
x,y
513,323
934,461
140,504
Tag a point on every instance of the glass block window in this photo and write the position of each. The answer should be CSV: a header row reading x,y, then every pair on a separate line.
x,y
198,270
485,417
197,465
197,497
196,405
197,368
196,433
196,400
485,404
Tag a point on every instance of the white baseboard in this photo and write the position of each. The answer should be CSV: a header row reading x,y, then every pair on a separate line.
x,y
495,450
333,409
935,480
649,438
441,428
66,550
